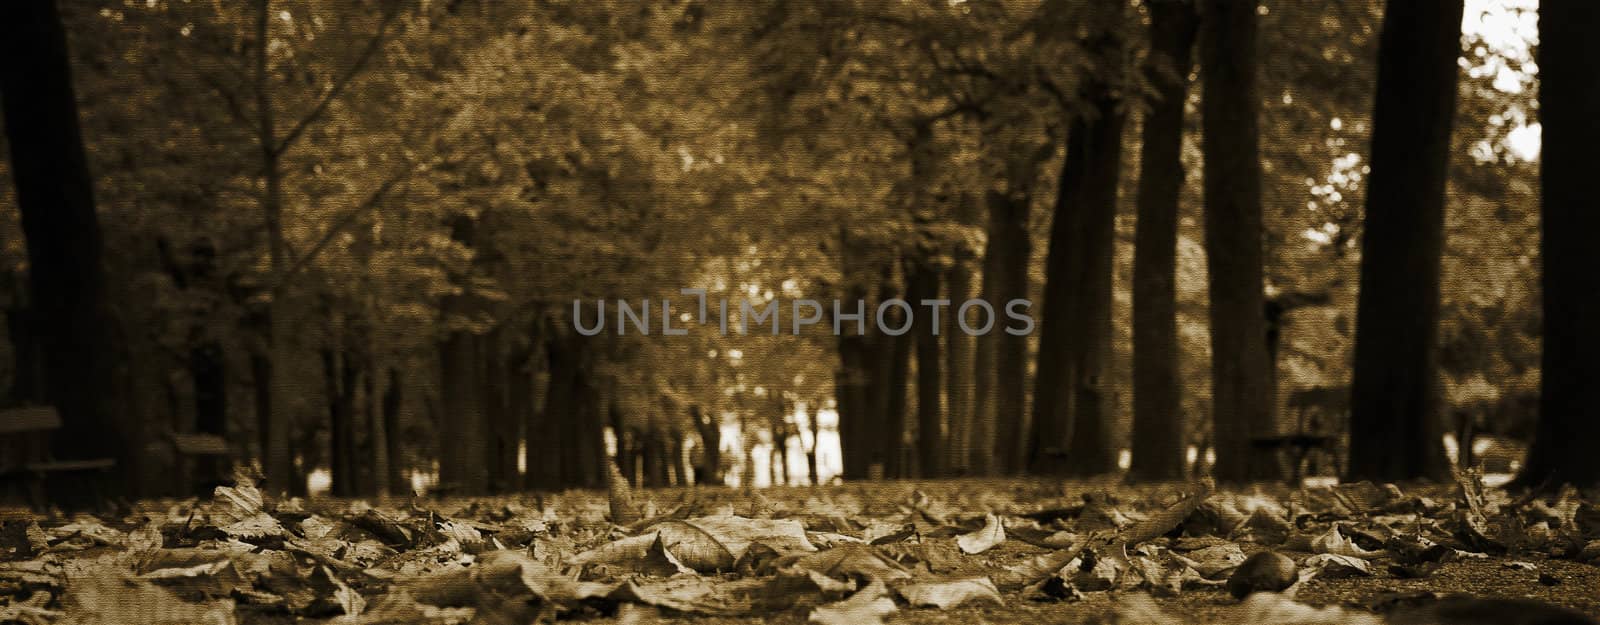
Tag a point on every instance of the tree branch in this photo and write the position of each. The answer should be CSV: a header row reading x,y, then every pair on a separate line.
x,y
356,211
390,12
341,223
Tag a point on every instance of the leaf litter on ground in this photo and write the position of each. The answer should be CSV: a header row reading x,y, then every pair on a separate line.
x,y
843,554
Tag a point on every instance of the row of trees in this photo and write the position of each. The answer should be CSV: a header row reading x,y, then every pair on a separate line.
x,y
350,236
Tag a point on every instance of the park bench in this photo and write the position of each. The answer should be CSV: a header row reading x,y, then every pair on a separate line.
x,y
1315,408
203,460
25,458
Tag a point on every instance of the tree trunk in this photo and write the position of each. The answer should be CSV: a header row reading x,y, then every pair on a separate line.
x,y
279,464
1569,94
676,476
959,378
583,432
853,394
596,464
463,463
654,457
1158,426
779,428
1241,393
816,438
374,463
504,425
775,472
1005,278
710,471
922,280
29,382
261,380
399,470
339,428
544,440
850,390
627,444
747,455
519,408
1395,425
983,456
77,337
898,373
1071,433
349,380
208,373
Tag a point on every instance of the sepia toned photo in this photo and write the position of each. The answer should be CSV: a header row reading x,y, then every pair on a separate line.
x,y
846,312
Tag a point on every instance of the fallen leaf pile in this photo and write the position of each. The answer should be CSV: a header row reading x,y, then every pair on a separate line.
x,y
856,554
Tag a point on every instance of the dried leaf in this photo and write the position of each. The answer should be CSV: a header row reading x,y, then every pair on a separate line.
x,y
623,509
949,594
511,585
108,598
867,607
1264,527
1161,522
641,554
33,575
992,533
217,578
1334,542
1334,566
687,594
1275,608
388,529
736,534
1137,610
398,607
254,527
31,611
1035,569
1042,538
694,547
853,562
1215,562
880,532
232,504
1092,573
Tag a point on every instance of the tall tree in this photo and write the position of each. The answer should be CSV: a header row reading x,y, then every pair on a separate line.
x,y
399,474
1241,382
464,457
75,329
1569,94
1002,359
1157,420
852,379
959,351
1070,411
923,281
1394,426
891,372
278,458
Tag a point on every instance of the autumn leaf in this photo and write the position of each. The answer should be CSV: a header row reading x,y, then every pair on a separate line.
x,y
867,607
948,594
992,533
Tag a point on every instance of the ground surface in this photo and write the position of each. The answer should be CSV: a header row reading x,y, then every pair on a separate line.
x,y
987,551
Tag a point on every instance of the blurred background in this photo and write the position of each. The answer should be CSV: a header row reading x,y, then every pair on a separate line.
x,y
342,241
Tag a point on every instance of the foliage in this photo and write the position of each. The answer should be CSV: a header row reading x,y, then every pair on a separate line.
x,y
838,554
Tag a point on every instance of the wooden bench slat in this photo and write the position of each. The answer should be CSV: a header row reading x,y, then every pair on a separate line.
x,y
60,466
29,419
200,444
